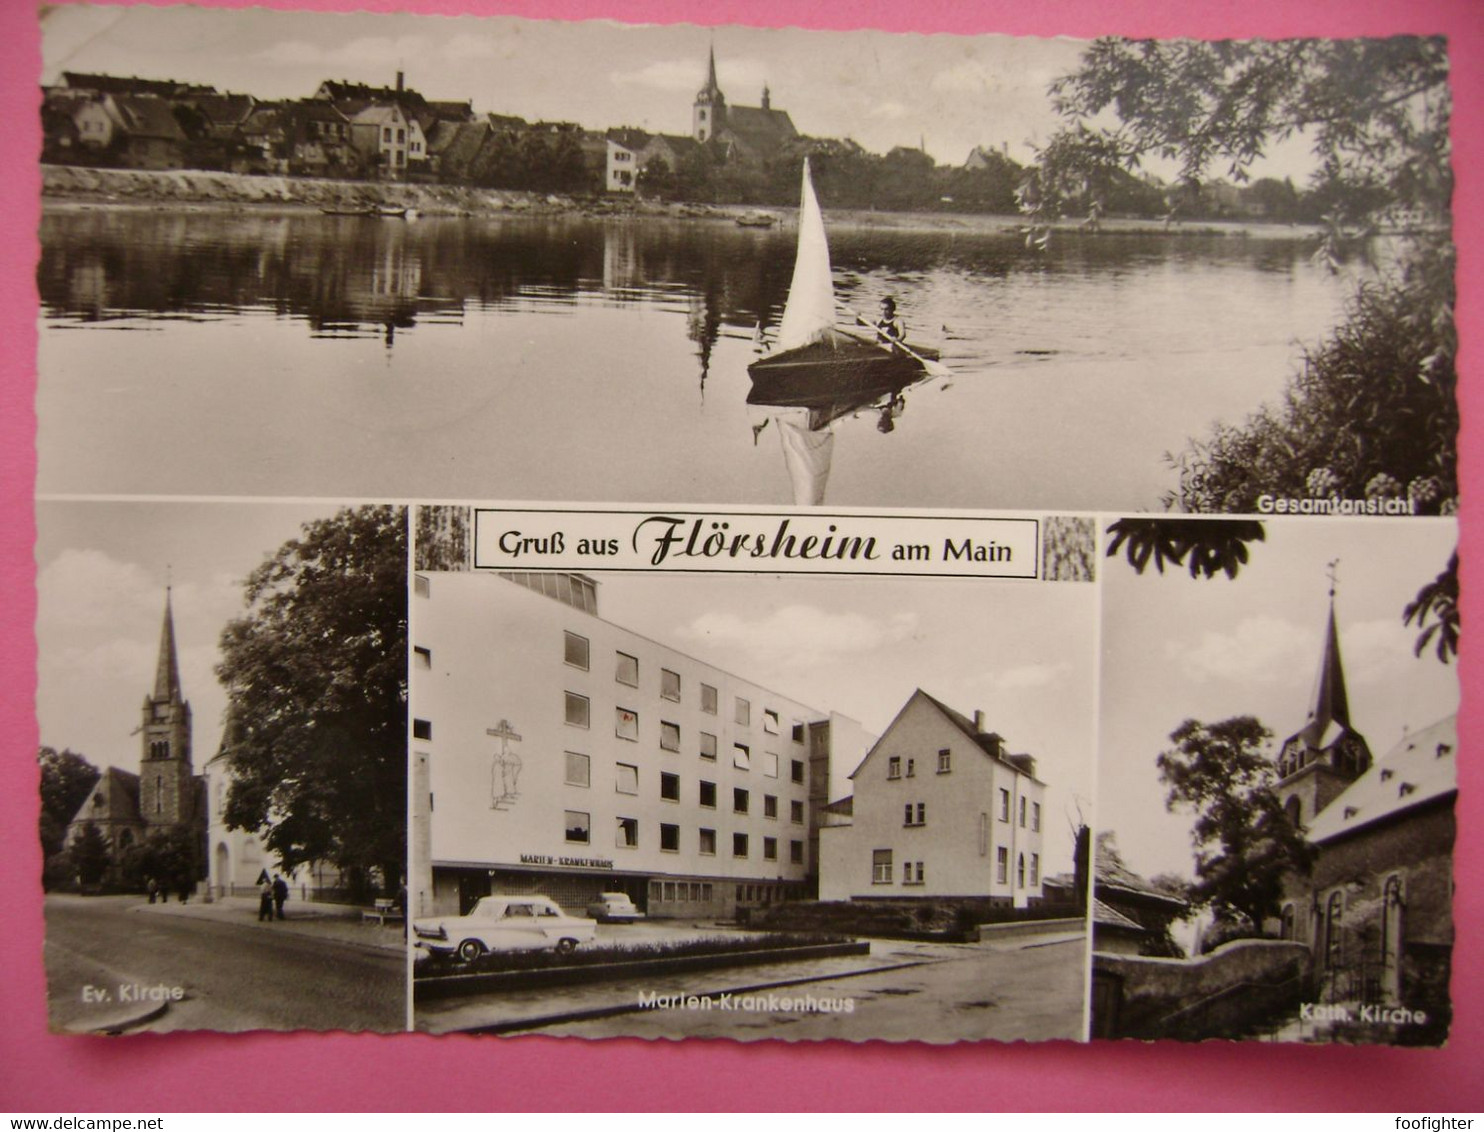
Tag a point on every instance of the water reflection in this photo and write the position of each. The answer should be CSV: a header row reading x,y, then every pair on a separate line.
x,y
805,424
575,358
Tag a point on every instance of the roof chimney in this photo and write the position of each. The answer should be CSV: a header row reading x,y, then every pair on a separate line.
x,y
978,721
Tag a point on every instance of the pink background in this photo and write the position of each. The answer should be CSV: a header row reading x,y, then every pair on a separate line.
x,y
45,1073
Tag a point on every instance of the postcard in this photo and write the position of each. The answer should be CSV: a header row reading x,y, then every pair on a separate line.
x,y
749,533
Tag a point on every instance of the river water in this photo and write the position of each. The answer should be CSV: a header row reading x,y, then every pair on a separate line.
x,y
295,354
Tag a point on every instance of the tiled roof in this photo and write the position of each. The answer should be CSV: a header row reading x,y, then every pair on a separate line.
x,y
1107,917
1422,768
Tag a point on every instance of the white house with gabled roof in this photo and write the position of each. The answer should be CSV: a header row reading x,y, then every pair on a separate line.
x,y
940,808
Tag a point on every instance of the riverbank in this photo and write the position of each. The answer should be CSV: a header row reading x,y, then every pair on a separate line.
x,y
75,187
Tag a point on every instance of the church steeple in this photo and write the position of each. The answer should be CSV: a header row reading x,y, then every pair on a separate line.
x,y
167,667
166,777
1317,762
1331,704
710,110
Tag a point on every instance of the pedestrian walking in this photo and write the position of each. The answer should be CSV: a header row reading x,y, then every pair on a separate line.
x,y
153,887
265,900
280,893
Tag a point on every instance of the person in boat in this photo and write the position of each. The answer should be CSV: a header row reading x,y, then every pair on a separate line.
x,y
889,328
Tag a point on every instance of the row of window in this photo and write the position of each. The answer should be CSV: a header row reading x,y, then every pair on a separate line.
x,y
626,781
578,831
577,652
1035,811
683,891
578,713
914,872
895,764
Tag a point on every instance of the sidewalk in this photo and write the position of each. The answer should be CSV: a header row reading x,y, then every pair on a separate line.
x,y
1053,1008
339,922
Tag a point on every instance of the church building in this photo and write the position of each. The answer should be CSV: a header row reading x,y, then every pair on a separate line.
x,y
748,132
1376,906
166,794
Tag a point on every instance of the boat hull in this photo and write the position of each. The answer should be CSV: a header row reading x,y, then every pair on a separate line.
x,y
838,368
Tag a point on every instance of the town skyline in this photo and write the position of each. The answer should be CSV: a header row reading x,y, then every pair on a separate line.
x,y
945,94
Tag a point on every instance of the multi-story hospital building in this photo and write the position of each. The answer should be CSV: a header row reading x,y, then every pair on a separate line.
x,y
556,752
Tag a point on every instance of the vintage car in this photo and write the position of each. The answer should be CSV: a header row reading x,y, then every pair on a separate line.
x,y
614,908
504,923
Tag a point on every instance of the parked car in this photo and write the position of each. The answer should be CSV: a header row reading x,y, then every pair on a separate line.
x,y
614,908
504,923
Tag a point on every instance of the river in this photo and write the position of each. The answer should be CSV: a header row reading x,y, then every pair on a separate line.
x,y
247,353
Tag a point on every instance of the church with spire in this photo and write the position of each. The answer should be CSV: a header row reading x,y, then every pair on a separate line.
x,y
1375,908
1317,762
748,132
166,794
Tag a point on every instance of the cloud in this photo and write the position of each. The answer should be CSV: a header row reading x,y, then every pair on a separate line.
x,y
465,46
369,50
741,80
1376,652
972,76
664,74
800,636
889,111
84,589
1028,676
1263,649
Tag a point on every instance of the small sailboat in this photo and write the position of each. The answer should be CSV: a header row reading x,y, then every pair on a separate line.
x,y
813,359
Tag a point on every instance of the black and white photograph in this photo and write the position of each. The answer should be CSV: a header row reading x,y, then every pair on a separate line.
x,y
1277,774
222,709
750,806
377,255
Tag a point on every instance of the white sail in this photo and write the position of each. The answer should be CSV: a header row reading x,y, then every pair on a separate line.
x,y
810,310
807,453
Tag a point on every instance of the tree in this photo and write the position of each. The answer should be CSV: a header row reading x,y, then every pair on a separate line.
x,y
90,855
171,856
1435,609
1244,842
67,779
315,674
1211,546
1376,112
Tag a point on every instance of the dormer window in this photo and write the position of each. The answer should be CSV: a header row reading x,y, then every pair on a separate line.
x,y
1405,789
1386,776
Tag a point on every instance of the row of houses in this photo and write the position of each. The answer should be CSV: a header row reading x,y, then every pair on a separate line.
x,y
355,130
344,129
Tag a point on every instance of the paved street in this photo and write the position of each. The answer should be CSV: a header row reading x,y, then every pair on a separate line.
x,y
1029,989
313,971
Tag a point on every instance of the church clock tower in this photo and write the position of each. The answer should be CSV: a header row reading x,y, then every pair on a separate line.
x,y
167,784
710,111
1317,762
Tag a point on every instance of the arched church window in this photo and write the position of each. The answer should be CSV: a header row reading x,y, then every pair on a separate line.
x,y
1295,811
1287,932
1391,914
1334,930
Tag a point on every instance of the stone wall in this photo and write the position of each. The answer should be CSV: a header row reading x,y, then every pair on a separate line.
x,y
1222,994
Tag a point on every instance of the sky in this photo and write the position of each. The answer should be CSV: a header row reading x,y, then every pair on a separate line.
x,y
1177,648
947,93
1024,652
101,575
